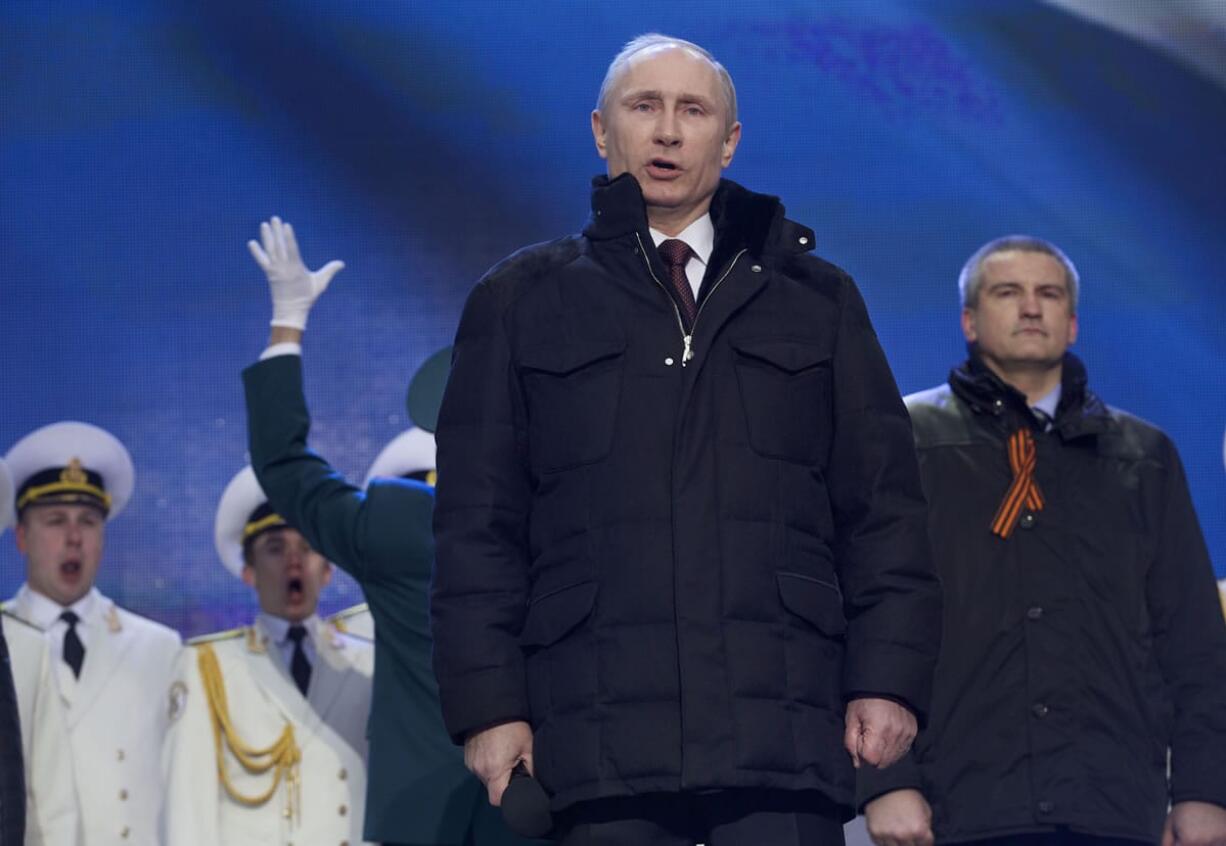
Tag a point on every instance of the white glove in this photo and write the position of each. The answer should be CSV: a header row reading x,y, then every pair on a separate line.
x,y
294,289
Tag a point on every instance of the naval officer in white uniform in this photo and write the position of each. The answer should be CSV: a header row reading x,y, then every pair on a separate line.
x,y
268,722
109,664
51,817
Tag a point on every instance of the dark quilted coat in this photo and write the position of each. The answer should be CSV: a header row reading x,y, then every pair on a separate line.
x,y
678,571
1080,650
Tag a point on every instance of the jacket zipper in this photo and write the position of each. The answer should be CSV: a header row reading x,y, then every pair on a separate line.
x,y
686,339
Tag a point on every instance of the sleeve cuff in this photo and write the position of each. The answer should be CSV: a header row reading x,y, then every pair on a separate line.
x,y
283,348
872,782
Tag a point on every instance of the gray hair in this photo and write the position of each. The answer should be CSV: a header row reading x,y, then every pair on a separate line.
x,y
971,277
655,39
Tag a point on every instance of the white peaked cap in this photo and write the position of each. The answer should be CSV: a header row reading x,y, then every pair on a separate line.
x,y
6,496
59,445
242,496
409,452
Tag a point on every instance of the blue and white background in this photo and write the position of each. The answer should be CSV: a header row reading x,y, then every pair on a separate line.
x,y
141,143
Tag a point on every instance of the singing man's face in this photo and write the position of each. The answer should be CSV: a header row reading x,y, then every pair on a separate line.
x,y
286,573
1023,315
665,121
62,545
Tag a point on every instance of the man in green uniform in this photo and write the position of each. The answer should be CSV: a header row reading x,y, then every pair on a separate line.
x,y
418,788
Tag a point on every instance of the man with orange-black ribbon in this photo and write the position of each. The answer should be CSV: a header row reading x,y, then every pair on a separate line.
x,y
1083,639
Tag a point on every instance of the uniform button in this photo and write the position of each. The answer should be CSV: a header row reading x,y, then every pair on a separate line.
x,y
125,832
123,796
1046,807
1035,613
342,810
343,774
1039,709
1027,521
757,268
803,240
668,361
287,813
119,755
344,843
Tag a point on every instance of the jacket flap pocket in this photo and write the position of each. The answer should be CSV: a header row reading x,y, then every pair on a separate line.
x,y
552,616
814,601
787,354
567,356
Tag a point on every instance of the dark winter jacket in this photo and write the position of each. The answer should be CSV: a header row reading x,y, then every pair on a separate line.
x,y
677,570
1080,648
12,768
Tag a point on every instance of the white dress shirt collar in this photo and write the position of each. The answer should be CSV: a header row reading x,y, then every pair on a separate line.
x,y
699,235
1050,402
45,612
277,630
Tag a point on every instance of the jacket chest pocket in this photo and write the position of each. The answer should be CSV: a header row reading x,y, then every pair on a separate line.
x,y
785,389
571,391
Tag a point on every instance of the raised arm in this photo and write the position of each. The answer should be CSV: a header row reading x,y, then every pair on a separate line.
x,y
333,515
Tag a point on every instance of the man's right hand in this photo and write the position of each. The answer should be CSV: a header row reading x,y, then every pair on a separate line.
x,y
899,818
294,289
492,754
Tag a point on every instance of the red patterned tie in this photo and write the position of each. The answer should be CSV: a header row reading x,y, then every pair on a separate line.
x,y
676,254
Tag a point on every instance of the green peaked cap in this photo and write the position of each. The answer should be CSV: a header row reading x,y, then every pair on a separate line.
x,y
426,390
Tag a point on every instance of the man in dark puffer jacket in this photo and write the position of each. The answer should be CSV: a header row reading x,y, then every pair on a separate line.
x,y
682,559
1083,638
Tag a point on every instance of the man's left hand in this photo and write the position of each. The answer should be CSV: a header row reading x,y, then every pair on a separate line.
x,y
1195,824
879,731
294,289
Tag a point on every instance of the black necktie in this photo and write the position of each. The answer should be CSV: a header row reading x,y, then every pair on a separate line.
x,y
74,650
676,255
299,666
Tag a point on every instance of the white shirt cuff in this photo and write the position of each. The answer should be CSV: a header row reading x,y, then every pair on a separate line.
x,y
283,348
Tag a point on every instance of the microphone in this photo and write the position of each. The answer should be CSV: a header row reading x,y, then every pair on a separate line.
x,y
525,807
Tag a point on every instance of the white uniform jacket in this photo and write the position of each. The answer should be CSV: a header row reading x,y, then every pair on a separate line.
x,y
116,718
261,701
52,818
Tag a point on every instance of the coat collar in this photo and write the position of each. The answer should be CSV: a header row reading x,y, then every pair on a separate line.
x,y
743,219
1080,412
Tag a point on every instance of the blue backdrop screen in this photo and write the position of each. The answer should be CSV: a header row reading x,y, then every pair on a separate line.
x,y
142,143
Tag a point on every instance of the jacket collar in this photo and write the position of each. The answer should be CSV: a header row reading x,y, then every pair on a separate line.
x,y
743,219
1080,412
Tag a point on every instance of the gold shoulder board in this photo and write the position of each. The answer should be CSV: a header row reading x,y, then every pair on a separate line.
x,y
337,620
10,614
229,634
